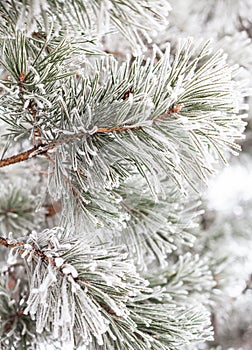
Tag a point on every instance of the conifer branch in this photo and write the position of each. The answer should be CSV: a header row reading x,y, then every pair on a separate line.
x,y
42,149
118,134
30,153
16,244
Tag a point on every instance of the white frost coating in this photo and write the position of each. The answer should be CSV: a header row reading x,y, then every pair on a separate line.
x,y
26,104
36,7
108,5
66,246
36,74
41,88
25,253
90,150
65,305
59,262
48,281
92,266
70,270
67,132
75,286
28,246
93,130
40,99
178,89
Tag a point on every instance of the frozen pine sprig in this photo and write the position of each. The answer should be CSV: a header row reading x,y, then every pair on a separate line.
x,y
131,18
74,286
174,118
155,228
154,324
186,277
182,115
93,295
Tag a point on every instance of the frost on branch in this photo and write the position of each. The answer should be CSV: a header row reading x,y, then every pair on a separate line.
x,y
93,295
133,18
73,287
154,229
178,118
117,145
169,117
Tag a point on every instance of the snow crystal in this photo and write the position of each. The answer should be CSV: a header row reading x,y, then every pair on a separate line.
x,y
70,270
26,104
28,246
59,262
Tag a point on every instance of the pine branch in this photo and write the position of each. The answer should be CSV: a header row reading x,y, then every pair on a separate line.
x,y
98,301
116,140
65,268
21,246
31,153
130,18
44,148
178,146
134,118
38,253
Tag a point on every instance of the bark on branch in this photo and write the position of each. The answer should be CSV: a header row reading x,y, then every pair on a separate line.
x,y
16,244
43,149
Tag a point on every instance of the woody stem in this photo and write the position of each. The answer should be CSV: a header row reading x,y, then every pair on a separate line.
x,y
44,148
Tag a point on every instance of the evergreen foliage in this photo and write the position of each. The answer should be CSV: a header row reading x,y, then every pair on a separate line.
x,y
105,155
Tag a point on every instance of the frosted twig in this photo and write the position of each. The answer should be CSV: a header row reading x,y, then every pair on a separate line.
x,y
21,246
43,149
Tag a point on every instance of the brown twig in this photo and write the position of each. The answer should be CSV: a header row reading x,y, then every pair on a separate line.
x,y
44,148
37,133
30,153
16,244
170,111
5,243
43,39
53,209
11,321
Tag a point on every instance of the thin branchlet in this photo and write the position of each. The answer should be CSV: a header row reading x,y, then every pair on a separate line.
x,y
16,244
43,149
36,252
